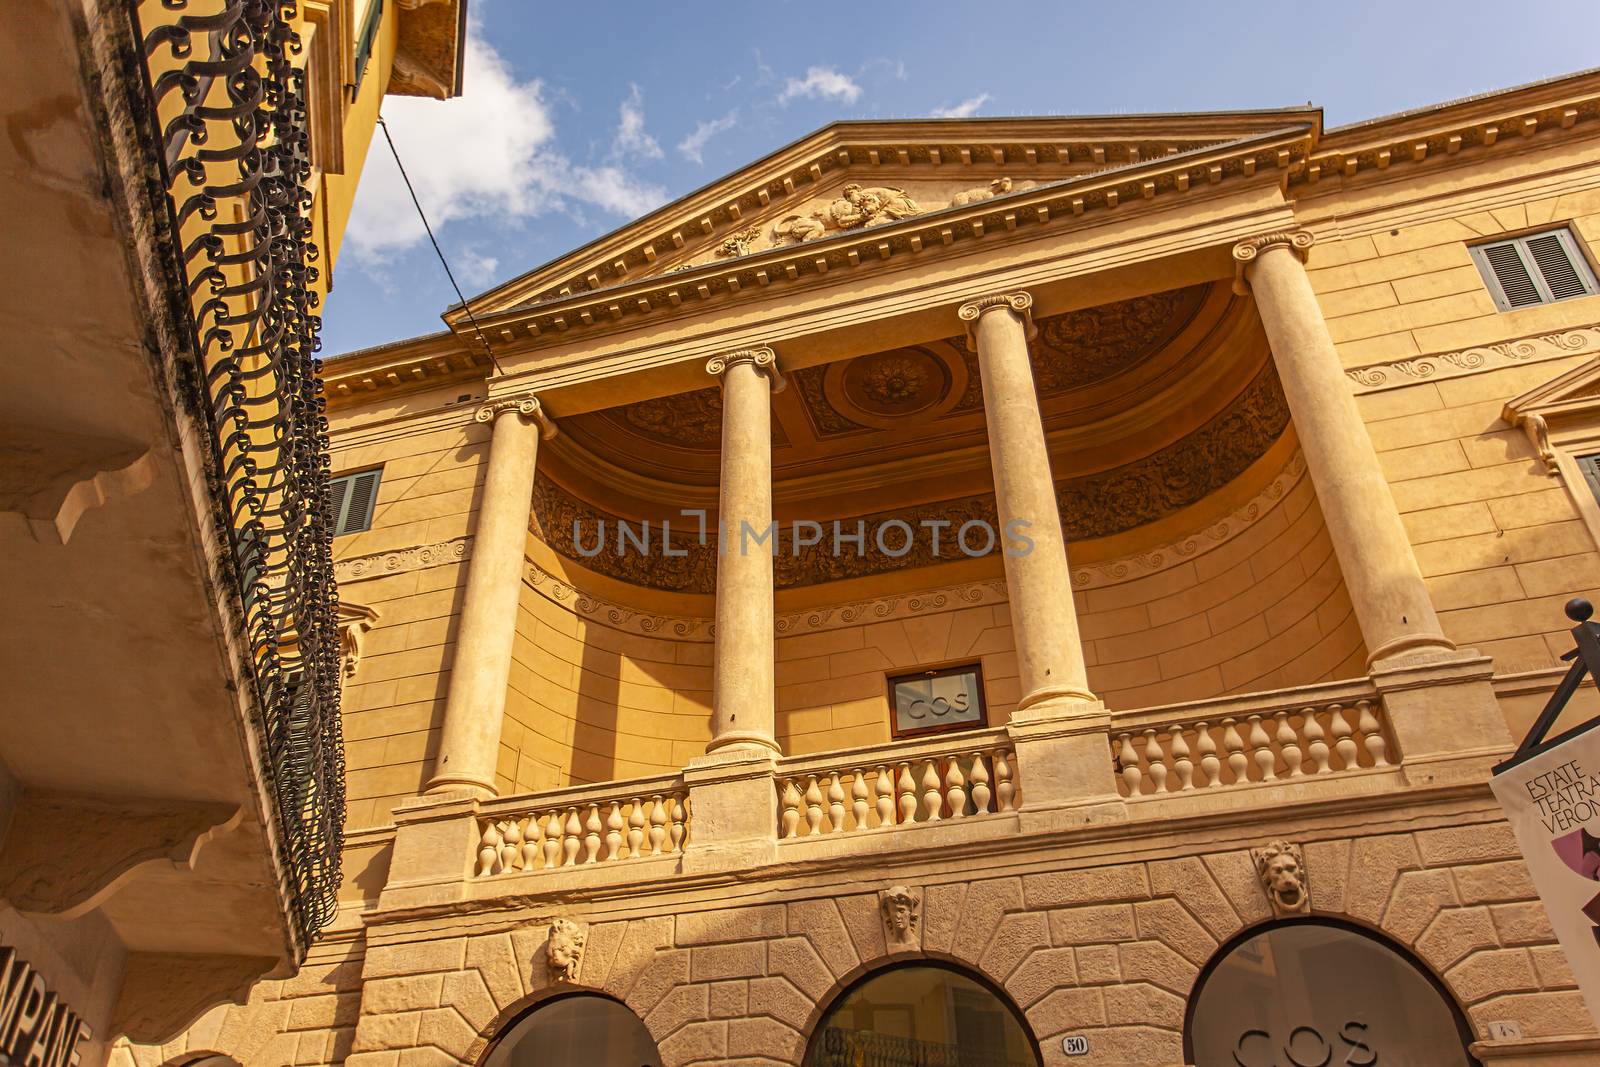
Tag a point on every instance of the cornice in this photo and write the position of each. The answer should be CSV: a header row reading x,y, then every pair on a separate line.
x,y
1398,373
428,361
1057,206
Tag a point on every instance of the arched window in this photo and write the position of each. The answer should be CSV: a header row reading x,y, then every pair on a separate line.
x,y
1312,993
582,1030
922,1015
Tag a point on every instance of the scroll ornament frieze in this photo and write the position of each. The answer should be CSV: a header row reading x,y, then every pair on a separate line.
x,y
400,560
1376,377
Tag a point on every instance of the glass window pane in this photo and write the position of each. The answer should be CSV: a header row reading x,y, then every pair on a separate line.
x,y
921,1017
1311,993
577,1031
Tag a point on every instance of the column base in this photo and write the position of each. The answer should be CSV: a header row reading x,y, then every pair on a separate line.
x,y
745,741
1446,719
1057,694
442,784
1064,768
733,801
1411,649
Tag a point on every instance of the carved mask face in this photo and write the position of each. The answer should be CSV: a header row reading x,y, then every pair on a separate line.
x,y
1283,875
900,916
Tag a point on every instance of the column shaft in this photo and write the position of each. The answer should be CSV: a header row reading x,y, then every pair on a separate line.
x,y
1386,588
1044,621
742,711
475,705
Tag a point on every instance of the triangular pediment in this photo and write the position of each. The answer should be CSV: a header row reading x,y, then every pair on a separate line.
x,y
852,177
1577,392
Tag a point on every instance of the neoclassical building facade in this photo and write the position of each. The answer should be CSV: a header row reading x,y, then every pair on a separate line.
x,y
1018,591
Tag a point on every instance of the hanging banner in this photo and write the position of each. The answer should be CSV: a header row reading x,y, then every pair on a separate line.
x,y
1552,798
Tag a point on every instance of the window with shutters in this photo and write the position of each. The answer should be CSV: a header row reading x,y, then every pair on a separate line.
x,y
1540,268
354,496
1590,466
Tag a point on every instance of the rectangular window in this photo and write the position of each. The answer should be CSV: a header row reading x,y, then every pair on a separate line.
x,y
1540,268
354,496
950,698
366,38
1590,466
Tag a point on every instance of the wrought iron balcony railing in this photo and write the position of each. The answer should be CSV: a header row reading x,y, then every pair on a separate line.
x,y
227,106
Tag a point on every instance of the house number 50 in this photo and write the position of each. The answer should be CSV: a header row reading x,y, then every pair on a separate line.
x,y
1075,1045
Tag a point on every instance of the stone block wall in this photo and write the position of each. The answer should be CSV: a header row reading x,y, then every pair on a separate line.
x,y
1110,950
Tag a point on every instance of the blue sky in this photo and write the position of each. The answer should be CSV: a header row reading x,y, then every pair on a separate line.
x,y
578,117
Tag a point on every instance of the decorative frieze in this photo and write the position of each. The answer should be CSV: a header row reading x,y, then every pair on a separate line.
x,y
400,560
1394,374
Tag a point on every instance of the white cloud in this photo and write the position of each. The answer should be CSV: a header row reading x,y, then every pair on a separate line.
x,y
692,146
490,153
966,109
473,267
821,83
631,137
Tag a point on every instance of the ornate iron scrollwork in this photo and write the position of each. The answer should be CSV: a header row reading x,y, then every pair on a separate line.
x,y
228,107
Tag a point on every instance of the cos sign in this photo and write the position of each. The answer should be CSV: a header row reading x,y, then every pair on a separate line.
x,y
37,1029
1305,1046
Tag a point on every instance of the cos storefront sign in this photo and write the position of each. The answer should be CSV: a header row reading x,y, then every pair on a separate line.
x,y
37,1028
1317,994
950,698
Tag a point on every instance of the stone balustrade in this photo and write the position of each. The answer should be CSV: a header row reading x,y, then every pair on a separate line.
x,y
957,776
574,827
1264,738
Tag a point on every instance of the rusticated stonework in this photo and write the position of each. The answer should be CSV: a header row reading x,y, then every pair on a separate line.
x,y
1098,505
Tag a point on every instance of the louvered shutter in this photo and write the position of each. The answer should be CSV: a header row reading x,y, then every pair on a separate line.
x,y
1590,465
1511,275
340,488
1558,264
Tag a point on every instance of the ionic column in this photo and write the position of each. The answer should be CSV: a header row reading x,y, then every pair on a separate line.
x,y
476,703
742,713
1391,603
1038,581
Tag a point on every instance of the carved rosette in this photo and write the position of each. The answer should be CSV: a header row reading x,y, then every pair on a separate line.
x,y
901,910
1246,252
1282,870
1019,303
524,405
762,358
563,950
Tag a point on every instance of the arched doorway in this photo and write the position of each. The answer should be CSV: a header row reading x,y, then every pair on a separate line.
x,y
1317,992
922,1013
578,1030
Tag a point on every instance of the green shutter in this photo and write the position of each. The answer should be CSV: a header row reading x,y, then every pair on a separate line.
x,y
354,497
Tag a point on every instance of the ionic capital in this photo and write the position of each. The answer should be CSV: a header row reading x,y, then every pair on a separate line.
x,y
1019,304
1246,251
762,358
523,405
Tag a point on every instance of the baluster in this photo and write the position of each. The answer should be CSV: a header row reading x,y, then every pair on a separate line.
x,y
532,843
489,853
1316,741
1210,764
680,825
981,793
955,788
1261,747
658,824
1343,743
858,798
613,829
552,839
1005,790
570,842
1289,745
636,828
1234,744
791,809
511,850
907,788
1372,734
885,804
813,806
1182,765
1157,762
1131,773
591,834
835,803
932,802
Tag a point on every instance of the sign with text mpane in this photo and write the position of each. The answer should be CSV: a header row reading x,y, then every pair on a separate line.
x,y
1552,799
